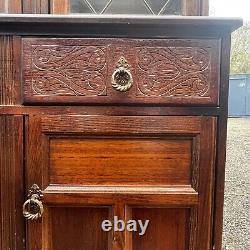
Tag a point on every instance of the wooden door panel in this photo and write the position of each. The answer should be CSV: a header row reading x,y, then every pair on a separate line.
x,y
77,228
120,161
169,228
129,166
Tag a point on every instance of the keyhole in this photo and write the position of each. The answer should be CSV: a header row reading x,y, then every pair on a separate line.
x,y
122,77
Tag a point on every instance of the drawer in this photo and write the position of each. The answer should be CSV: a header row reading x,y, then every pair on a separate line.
x,y
120,71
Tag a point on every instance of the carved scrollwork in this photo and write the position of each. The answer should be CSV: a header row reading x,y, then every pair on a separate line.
x,y
68,70
170,71
72,67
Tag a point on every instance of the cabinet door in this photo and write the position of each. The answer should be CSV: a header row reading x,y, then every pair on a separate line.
x,y
92,168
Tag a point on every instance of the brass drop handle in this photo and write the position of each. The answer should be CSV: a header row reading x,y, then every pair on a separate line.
x,y
33,207
122,79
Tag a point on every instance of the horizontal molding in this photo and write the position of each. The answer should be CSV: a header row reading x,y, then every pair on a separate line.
x,y
110,198
117,26
110,110
185,189
132,125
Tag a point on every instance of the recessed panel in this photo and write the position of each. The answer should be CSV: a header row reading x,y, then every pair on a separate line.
x,y
168,229
78,228
120,161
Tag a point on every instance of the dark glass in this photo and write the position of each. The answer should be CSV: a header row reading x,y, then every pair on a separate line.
x,y
144,7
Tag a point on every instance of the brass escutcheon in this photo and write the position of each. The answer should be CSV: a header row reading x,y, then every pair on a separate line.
x,y
33,207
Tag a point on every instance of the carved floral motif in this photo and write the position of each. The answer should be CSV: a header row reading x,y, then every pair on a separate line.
x,y
68,70
170,71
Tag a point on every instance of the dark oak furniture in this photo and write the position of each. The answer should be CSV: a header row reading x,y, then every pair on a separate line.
x,y
106,116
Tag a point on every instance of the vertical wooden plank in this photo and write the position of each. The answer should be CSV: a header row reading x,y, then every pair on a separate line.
x,y
191,7
128,235
36,7
221,144
60,6
119,237
10,6
34,164
10,83
206,182
2,6
14,6
204,8
12,233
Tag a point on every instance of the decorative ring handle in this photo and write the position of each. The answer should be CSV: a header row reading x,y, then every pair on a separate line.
x,y
33,207
122,79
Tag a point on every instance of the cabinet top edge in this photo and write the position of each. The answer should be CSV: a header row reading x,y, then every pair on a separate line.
x,y
8,21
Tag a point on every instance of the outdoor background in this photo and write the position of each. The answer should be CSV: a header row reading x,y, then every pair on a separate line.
x,y
236,235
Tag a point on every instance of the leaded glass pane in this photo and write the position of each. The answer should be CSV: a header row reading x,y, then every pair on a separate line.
x,y
145,7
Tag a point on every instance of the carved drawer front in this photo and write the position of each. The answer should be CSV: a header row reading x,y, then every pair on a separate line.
x,y
164,71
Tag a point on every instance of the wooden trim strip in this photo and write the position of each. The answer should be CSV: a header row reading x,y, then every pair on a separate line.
x,y
120,189
59,6
115,25
173,199
36,6
10,55
12,233
110,110
221,146
132,125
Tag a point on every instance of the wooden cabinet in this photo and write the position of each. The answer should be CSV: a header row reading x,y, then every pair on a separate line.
x,y
113,117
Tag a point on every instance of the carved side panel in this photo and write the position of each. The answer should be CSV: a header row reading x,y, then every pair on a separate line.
x,y
10,83
174,71
68,70
11,182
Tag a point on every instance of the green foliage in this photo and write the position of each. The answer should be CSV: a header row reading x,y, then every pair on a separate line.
x,y
240,54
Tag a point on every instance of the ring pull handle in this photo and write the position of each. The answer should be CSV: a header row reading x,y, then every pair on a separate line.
x,y
122,79
33,207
